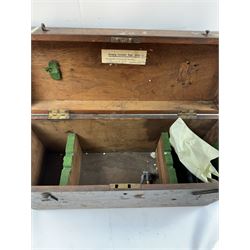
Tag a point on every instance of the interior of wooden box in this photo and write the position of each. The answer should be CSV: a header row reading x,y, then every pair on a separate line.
x,y
176,77
113,150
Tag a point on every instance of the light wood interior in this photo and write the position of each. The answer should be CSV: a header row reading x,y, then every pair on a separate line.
x,y
98,107
175,77
116,138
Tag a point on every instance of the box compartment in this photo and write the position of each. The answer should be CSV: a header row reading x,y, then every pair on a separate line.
x,y
120,110
114,150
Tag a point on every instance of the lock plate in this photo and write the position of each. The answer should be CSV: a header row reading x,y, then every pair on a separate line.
x,y
124,186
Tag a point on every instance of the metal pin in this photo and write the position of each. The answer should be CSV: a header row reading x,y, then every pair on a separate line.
x,y
43,27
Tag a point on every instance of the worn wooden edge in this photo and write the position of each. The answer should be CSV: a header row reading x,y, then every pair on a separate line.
x,y
148,196
87,188
126,107
142,36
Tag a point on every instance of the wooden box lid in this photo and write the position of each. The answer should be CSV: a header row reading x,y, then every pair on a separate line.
x,y
180,73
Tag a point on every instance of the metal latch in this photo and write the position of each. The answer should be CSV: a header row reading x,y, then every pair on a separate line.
x,y
58,114
187,114
122,186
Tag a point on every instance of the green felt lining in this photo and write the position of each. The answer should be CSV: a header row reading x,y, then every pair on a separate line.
x,y
168,158
68,159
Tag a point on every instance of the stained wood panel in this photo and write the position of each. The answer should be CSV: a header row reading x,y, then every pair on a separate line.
x,y
37,152
212,135
104,135
154,195
172,73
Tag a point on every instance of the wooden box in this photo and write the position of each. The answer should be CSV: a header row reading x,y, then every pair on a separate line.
x,y
120,89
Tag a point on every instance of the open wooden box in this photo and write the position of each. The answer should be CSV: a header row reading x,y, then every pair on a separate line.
x,y
118,112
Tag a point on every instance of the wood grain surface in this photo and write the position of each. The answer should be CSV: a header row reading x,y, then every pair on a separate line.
x,y
37,153
151,195
111,135
172,73
122,107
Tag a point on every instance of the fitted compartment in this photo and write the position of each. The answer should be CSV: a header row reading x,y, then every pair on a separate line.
x,y
46,162
120,110
114,150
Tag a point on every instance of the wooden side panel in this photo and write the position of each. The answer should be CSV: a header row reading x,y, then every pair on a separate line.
x,y
172,72
212,135
105,135
77,197
37,152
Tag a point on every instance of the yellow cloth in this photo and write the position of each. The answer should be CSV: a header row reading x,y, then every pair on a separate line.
x,y
194,153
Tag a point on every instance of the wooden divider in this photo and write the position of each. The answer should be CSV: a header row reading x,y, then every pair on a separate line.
x,y
164,160
72,161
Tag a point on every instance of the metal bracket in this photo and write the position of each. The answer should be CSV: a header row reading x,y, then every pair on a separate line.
x,y
188,114
58,114
210,191
120,39
125,186
46,196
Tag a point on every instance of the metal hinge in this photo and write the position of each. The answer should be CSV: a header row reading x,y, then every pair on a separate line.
x,y
122,186
187,114
58,114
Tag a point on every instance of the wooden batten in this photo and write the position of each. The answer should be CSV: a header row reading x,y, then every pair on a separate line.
x,y
124,107
125,36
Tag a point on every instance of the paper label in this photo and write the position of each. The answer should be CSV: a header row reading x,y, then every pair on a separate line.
x,y
137,57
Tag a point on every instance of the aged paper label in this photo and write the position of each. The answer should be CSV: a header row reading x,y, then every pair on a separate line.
x,y
137,57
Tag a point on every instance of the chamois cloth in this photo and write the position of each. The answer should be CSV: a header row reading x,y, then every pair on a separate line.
x,y
194,153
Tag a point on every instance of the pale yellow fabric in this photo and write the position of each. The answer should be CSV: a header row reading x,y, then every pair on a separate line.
x,y
194,153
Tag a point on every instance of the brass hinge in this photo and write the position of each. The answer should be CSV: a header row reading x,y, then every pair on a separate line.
x,y
123,186
187,114
58,114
